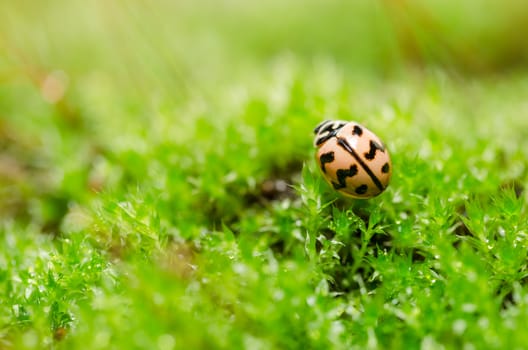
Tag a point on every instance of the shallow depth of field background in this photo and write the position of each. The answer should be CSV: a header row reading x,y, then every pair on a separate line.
x,y
158,188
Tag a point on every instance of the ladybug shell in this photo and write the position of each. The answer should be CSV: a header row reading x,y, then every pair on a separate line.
x,y
355,161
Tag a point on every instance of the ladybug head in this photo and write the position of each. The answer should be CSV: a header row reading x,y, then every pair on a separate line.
x,y
326,130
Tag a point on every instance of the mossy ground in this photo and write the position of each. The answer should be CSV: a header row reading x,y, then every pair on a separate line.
x,y
158,188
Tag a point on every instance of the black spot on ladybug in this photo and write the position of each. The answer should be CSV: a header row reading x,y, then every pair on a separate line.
x,y
342,175
374,146
362,189
357,130
346,147
385,168
326,158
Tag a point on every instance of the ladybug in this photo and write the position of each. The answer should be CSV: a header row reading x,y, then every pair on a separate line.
x,y
352,158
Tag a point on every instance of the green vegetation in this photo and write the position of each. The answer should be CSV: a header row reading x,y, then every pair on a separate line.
x,y
144,149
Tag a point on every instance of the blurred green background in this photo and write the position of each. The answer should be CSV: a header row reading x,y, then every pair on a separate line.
x,y
93,73
187,38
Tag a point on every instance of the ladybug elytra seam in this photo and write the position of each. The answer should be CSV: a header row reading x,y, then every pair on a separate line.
x,y
350,150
